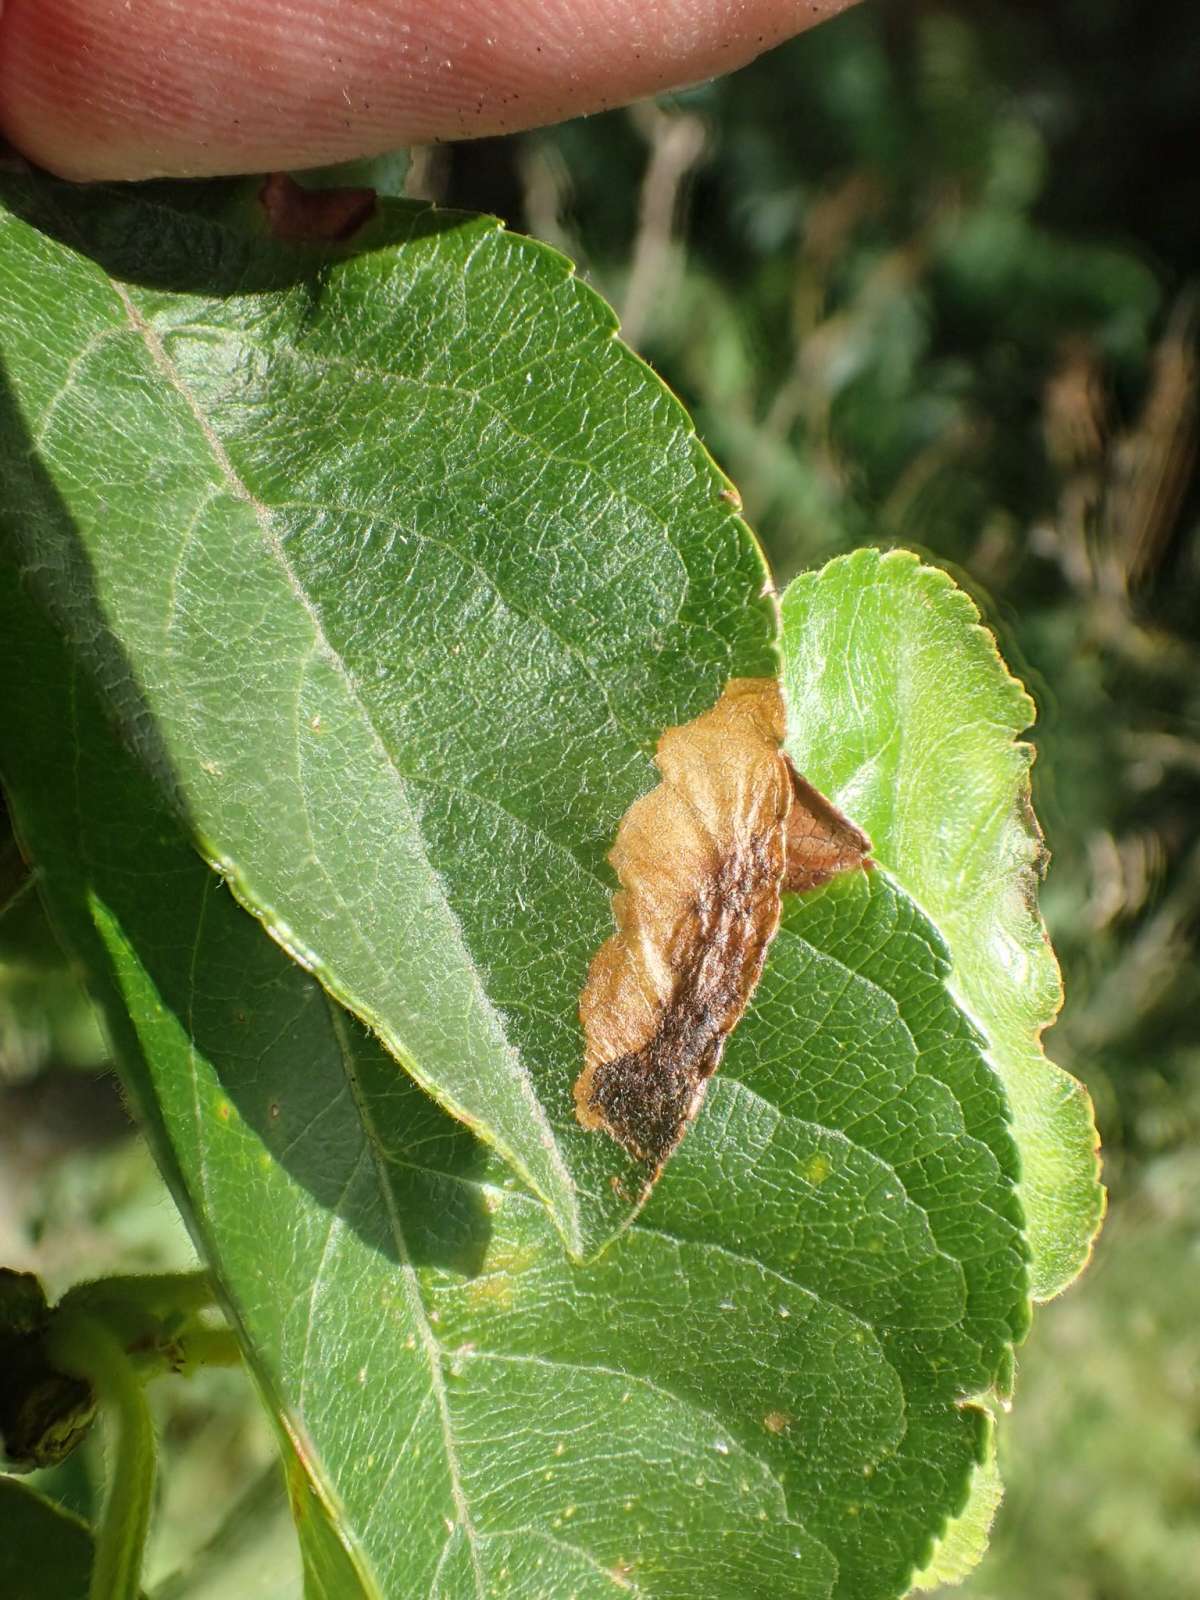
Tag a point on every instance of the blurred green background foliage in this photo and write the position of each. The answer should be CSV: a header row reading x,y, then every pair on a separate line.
x,y
928,276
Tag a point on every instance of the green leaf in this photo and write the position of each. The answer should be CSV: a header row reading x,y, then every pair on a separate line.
x,y
45,1551
393,564
902,712
762,1389
961,1548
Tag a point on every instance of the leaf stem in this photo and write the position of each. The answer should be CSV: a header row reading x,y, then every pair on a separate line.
x,y
209,1347
83,1346
180,1292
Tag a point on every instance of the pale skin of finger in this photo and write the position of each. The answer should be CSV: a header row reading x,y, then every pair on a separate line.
x,y
96,89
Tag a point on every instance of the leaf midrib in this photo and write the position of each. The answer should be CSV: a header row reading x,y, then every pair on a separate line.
x,y
567,1197
412,1291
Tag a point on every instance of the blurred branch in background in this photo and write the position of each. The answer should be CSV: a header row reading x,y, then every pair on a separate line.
x,y
546,194
1121,497
1153,461
676,142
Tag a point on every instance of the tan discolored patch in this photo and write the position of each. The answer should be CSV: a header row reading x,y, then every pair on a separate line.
x,y
702,860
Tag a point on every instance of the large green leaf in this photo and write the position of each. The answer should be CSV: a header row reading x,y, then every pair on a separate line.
x,y
762,1388
393,564
901,710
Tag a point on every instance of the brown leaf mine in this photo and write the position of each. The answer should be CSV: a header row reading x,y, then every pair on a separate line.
x,y
819,841
702,860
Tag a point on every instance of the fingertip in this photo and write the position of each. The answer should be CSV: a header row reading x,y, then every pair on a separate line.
x,y
98,89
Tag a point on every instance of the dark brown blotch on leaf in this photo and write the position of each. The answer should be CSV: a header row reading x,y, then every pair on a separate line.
x,y
313,216
702,861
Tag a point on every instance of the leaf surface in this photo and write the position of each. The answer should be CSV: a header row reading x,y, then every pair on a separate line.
x,y
902,712
761,1389
965,1541
392,565
45,1551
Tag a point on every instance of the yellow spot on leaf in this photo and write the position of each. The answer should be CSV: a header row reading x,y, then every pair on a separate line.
x,y
817,1168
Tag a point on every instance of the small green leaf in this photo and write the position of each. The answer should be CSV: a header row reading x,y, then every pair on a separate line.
x,y
902,712
963,1545
762,1389
45,1552
393,564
